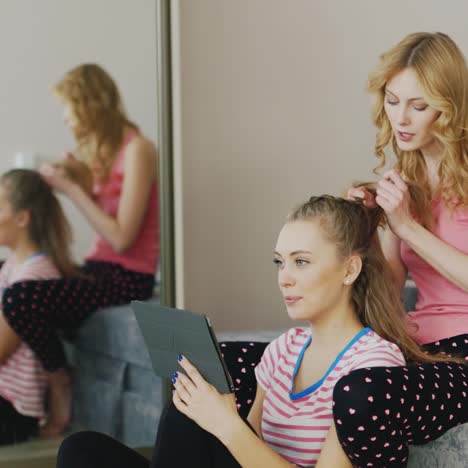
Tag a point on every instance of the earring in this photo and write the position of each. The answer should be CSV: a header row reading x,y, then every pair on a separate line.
x,y
346,282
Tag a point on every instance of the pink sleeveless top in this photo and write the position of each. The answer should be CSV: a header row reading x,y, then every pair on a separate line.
x,y
442,307
143,254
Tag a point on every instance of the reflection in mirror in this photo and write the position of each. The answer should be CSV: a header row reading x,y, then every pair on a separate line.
x,y
80,83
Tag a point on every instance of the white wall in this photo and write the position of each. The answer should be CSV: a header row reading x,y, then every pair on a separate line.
x,y
40,40
273,109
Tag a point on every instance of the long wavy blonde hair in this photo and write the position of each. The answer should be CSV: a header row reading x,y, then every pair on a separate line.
x,y
441,71
99,112
374,295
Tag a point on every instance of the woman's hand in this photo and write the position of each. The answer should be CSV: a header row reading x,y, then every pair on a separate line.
x,y
394,198
201,402
56,175
361,193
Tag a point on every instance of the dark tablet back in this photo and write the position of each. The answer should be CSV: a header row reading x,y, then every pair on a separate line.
x,y
169,332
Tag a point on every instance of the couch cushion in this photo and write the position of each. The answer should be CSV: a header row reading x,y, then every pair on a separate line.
x,y
448,451
114,332
115,389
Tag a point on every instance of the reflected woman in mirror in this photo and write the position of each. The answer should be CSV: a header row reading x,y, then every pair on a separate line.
x,y
35,230
112,178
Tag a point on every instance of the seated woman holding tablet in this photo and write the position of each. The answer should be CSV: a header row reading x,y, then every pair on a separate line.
x,y
332,274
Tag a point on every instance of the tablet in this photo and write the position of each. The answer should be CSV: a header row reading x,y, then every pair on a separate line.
x,y
169,332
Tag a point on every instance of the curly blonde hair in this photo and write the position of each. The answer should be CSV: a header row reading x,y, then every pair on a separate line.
x,y
441,70
98,109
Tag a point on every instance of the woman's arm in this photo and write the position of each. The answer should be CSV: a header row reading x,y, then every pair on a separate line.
x,y
9,340
140,172
255,413
217,414
393,197
332,453
448,261
248,449
391,250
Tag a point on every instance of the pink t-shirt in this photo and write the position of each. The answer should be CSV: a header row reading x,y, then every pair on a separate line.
x,y
295,425
23,381
143,254
442,307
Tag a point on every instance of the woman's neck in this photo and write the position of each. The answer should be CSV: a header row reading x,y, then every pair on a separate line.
x,y
336,329
24,250
433,155
433,152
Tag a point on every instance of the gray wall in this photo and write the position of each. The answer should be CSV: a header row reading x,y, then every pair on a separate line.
x,y
270,108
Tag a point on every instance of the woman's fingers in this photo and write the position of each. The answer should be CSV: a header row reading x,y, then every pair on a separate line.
x,y
389,195
179,404
192,372
47,170
389,187
186,386
386,204
395,177
183,387
185,381
355,193
383,202
363,194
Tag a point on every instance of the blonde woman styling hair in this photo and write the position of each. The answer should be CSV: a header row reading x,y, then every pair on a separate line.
x,y
421,110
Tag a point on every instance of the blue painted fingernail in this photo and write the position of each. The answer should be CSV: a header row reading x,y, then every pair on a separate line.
x,y
174,380
175,375
180,357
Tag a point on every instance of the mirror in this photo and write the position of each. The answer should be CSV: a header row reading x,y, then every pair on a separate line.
x,y
41,41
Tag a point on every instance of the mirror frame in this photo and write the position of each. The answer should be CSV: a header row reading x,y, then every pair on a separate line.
x,y
165,148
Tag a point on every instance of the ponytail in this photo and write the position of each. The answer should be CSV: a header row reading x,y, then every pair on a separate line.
x,y
49,229
374,294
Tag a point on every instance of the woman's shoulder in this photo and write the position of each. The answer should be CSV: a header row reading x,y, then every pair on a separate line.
x,y
372,350
141,152
294,334
38,267
372,339
141,145
292,338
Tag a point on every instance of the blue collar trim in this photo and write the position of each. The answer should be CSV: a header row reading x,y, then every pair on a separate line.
x,y
316,385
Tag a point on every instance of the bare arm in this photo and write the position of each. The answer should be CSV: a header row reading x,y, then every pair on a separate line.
x,y
9,340
140,172
447,260
255,413
249,450
393,196
391,250
217,414
332,454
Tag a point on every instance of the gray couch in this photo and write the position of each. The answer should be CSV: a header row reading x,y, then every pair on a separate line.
x,y
116,391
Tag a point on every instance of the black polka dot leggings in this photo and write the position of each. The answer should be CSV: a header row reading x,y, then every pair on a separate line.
x,y
38,310
379,411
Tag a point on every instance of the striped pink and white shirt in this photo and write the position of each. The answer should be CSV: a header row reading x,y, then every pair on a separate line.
x,y
23,381
295,425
